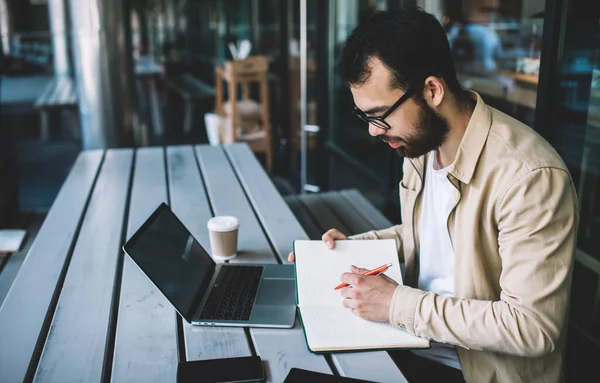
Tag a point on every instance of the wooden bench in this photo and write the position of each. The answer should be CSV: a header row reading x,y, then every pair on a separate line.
x,y
148,73
79,310
59,94
191,90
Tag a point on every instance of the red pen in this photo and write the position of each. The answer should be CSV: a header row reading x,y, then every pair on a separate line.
x,y
375,271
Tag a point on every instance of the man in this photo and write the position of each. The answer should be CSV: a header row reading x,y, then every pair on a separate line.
x,y
488,209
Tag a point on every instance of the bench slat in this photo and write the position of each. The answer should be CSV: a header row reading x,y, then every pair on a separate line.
x,y
300,212
76,343
59,92
376,366
63,97
228,198
146,336
42,100
324,216
284,349
279,222
375,218
346,212
21,325
190,204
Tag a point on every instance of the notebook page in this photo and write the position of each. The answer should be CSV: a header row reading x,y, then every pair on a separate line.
x,y
337,328
318,269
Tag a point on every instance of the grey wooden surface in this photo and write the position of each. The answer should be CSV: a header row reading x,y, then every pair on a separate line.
x,y
145,347
279,222
80,310
375,218
301,213
228,198
77,341
323,214
27,309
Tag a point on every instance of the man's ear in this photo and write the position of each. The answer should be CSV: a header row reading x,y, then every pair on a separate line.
x,y
434,91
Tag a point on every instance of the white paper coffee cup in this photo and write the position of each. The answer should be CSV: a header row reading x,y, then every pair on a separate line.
x,y
223,232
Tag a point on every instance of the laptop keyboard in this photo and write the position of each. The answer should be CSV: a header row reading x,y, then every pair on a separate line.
x,y
233,293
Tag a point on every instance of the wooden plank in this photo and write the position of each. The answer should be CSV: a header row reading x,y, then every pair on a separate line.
x,y
307,222
228,198
26,308
76,344
43,99
346,212
146,336
376,366
323,215
372,215
190,203
64,91
279,222
283,349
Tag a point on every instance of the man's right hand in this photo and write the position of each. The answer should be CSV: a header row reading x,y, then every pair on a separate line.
x,y
328,239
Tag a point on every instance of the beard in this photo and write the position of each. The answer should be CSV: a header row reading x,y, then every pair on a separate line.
x,y
430,132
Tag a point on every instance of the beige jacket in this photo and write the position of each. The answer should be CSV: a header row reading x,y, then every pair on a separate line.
x,y
513,231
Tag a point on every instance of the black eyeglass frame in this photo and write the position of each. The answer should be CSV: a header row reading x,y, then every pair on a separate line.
x,y
379,121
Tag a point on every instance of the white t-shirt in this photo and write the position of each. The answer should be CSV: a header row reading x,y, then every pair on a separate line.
x,y
436,255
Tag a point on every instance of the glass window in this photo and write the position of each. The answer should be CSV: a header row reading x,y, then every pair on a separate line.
x,y
496,46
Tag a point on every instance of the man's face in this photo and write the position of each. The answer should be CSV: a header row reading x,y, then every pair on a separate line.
x,y
416,128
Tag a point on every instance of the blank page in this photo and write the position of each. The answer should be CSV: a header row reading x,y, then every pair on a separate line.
x,y
318,269
337,328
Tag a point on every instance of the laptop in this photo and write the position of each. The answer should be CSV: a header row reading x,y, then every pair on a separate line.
x,y
207,293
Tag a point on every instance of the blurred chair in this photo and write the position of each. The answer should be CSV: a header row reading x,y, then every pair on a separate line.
x,y
245,120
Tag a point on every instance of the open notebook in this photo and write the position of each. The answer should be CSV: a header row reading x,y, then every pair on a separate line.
x,y
328,325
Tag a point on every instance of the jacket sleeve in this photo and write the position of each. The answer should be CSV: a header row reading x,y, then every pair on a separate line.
x,y
394,232
537,224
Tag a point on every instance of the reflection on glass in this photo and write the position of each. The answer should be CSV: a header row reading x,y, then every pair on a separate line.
x,y
497,46
349,136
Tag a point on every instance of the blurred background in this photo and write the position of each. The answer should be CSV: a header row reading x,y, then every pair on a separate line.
x,y
86,74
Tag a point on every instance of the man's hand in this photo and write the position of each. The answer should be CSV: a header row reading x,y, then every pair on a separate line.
x,y
368,296
328,239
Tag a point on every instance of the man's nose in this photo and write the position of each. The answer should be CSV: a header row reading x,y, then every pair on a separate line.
x,y
375,131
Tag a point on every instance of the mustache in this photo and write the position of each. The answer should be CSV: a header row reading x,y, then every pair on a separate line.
x,y
388,139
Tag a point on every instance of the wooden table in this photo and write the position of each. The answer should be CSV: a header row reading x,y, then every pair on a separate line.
x,y
79,310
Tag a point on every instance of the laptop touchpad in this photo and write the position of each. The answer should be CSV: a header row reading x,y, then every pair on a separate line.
x,y
276,292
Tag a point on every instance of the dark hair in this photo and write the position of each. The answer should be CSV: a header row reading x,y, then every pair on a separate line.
x,y
410,42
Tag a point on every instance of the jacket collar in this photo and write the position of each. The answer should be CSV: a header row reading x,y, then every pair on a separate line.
x,y
471,145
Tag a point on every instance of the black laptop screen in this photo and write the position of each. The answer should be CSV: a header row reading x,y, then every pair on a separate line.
x,y
164,249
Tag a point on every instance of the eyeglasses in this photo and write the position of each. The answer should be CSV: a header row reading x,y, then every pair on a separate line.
x,y
379,121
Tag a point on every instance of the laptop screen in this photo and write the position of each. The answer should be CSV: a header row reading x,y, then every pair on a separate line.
x,y
167,253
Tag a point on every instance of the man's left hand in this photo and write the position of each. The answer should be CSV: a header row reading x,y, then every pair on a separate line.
x,y
369,297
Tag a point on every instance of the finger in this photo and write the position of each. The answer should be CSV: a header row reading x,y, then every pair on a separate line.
x,y
358,270
352,279
348,293
330,236
291,257
349,303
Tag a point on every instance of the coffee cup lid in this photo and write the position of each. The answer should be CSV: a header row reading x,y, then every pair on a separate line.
x,y
223,223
